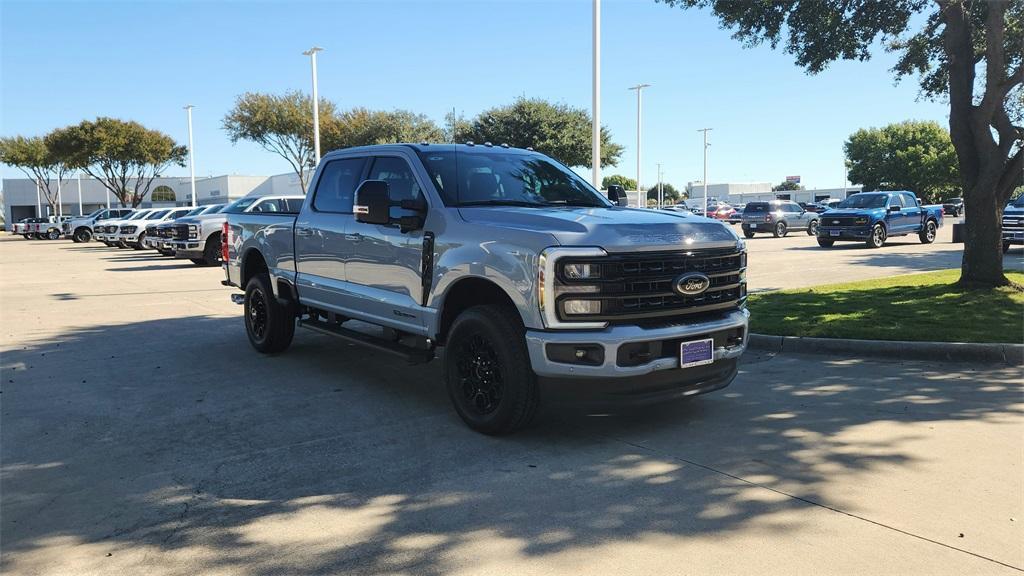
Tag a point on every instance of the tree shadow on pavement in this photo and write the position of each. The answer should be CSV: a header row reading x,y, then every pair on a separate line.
x,y
171,444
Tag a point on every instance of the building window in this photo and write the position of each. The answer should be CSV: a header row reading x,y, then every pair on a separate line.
x,y
163,194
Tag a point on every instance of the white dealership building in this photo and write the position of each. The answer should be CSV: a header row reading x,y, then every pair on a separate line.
x,y
22,199
743,192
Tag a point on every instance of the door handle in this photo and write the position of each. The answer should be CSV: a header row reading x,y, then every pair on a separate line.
x,y
354,237
302,231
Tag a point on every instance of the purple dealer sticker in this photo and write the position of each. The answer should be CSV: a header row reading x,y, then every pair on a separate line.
x,y
696,353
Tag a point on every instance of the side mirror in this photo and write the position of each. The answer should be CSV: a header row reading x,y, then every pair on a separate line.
x,y
894,209
617,194
372,203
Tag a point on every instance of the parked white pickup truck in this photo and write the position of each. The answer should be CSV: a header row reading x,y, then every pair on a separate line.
x,y
131,234
198,238
159,237
106,230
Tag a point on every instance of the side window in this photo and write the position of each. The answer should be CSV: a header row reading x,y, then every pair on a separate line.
x,y
795,208
896,200
397,173
337,185
909,201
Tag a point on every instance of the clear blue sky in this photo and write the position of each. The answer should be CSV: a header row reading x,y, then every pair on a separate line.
x,y
63,62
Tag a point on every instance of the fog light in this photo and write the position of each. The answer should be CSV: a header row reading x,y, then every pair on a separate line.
x,y
576,307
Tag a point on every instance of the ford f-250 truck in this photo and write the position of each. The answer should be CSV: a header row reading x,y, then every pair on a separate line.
x,y
526,275
874,217
1013,223
199,238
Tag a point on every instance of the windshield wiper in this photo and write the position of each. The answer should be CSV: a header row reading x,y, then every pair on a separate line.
x,y
502,203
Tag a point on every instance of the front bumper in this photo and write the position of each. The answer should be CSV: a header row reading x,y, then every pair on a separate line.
x,y
1013,237
612,338
844,233
187,248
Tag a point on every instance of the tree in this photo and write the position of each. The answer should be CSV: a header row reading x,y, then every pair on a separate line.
x,y
362,127
786,186
618,180
558,130
124,156
38,161
915,156
967,52
280,124
669,191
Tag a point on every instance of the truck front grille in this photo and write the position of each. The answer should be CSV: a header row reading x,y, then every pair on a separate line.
x,y
179,232
838,220
640,286
127,229
1013,223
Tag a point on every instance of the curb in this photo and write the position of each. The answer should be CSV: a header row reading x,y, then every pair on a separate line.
x,y
1012,354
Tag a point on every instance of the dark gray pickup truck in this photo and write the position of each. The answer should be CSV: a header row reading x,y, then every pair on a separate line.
x,y
534,284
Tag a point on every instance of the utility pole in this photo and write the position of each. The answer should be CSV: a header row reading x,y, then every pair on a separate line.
x,y
704,206
661,191
316,103
80,212
39,202
60,207
595,142
846,176
191,156
639,123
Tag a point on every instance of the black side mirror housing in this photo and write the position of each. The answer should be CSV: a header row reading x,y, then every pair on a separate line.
x,y
373,202
617,194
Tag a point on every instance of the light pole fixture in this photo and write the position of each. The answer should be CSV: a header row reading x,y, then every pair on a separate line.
x,y
639,124
704,207
316,104
595,138
191,156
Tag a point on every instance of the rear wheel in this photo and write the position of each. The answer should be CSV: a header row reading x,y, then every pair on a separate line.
x,y
269,324
780,230
83,235
825,243
927,234
53,234
876,239
812,228
748,233
487,371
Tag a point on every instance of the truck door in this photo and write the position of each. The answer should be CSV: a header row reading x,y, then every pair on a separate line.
x,y
913,214
382,263
320,233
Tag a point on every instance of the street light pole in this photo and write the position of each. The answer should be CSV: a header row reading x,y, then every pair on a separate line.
x,y
80,212
704,207
639,124
846,176
60,207
595,136
661,191
39,203
316,103
191,156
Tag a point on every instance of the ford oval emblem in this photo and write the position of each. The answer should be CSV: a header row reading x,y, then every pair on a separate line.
x,y
691,284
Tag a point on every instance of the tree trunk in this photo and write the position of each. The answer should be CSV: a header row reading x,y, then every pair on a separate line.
x,y
982,263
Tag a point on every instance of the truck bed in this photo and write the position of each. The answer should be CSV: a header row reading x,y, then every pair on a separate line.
x,y
272,234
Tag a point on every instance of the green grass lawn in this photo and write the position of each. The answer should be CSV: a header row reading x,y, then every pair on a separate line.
x,y
914,307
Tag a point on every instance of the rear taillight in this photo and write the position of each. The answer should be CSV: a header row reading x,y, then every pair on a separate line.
x,y
224,233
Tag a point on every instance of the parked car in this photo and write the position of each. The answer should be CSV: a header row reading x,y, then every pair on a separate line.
x,y
79,228
873,217
777,217
953,206
44,228
199,238
160,236
720,211
517,266
132,234
106,230
23,227
737,216
1013,223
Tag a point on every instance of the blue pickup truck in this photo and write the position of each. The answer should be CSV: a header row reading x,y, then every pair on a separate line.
x,y
873,217
1013,223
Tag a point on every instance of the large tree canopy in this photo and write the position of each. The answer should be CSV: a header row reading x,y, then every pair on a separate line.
x,y
626,182
965,51
124,156
916,156
558,130
280,124
38,161
361,127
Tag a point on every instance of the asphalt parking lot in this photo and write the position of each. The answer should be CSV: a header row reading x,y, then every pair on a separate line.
x,y
142,435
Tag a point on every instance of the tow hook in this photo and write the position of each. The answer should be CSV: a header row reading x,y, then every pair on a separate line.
x,y
238,298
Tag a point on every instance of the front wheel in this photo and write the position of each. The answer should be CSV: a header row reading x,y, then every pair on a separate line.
x,y
780,230
825,243
1006,247
487,370
927,234
83,235
138,243
269,324
53,234
748,233
812,228
877,237
211,251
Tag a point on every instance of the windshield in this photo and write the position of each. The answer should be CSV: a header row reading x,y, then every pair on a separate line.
x,y
865,201
240,205
136,215
96,212
157,215
215,209
194,212
1018,203
481,178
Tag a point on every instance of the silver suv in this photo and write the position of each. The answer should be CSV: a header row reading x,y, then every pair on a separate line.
x,y
777,218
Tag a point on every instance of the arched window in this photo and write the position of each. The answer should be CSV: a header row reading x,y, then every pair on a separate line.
x,y
163,194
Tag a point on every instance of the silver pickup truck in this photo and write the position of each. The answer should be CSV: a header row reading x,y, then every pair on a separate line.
x,y
531,281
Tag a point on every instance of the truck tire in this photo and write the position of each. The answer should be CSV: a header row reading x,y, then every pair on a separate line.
x,y
138,243
876,239
928,233
211,250
748,233
780,230
53,234
83,235
812,228
269,324
487,370
1006,247
824,243
198,261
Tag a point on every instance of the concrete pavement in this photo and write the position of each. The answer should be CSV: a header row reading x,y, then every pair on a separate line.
x,y
142,435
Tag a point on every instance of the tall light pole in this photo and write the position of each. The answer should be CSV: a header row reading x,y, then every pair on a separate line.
x,y
316,103
80,213
846,176
39,203
639,125
704,207
661,191
191,155
60,207
595,136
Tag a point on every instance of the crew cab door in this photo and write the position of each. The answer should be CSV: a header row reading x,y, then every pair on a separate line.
x,y
320,233
382,263
913,213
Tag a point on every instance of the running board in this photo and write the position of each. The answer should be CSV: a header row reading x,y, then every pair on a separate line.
x,y
411,354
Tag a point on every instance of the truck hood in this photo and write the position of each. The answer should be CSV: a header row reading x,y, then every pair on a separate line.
x,y
878,212
614,229
1015,212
